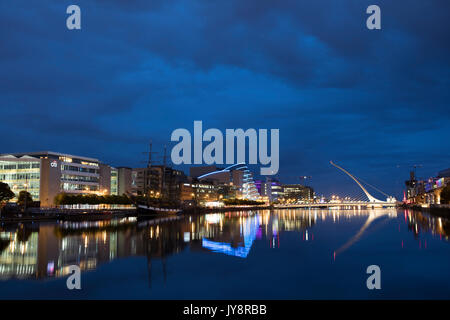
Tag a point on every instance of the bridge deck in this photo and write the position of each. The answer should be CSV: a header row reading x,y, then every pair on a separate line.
x,y
342,204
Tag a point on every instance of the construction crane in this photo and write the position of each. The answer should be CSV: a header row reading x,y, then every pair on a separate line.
x,y
414,166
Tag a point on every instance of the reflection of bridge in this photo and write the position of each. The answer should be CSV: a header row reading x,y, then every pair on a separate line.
x,y
372,203
342,205
373,215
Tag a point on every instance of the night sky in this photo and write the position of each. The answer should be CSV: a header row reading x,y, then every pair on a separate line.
x,y
374,101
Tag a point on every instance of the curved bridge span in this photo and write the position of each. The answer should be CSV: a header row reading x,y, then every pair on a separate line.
x,y
357,204
371,203
371,198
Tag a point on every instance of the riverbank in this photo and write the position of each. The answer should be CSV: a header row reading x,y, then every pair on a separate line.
x,y
70,215
203,210
79,214
442,210
83,215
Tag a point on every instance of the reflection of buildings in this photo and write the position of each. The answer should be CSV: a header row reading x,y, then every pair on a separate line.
x,y
423,223
18,257
233,233
239,245
48,249
290,220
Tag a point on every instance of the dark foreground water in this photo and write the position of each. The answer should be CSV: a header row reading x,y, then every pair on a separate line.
x,y
283,254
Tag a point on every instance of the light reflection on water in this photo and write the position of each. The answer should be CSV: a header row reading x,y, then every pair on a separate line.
x,y
313,241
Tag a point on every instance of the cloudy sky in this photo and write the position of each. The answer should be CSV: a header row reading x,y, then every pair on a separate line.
x,y
374,101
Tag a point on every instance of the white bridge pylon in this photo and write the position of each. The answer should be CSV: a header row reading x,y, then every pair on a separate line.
x,y
371,198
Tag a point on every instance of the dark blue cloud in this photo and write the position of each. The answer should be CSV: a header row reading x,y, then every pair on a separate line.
x,y
374,101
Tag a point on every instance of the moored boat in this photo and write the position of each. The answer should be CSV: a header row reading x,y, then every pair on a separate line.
x,y
148,210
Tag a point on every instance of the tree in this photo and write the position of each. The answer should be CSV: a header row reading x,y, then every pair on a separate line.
x,y
24,198
92,199
242,202
60,199
445,195
5,193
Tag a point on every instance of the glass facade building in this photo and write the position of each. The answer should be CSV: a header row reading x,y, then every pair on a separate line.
x,y
114,181
238,175
21,175
45,174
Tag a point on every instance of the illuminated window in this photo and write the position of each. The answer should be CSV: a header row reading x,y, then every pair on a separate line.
x,y
65,159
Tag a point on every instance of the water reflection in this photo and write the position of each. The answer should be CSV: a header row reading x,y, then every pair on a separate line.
x,y
46,250
372,217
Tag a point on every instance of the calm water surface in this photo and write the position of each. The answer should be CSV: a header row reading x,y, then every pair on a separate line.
x,y
281,254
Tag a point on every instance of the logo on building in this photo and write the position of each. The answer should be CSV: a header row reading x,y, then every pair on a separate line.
x,y
54,164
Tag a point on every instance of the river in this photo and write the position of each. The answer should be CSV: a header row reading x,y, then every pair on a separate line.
x,y
280,254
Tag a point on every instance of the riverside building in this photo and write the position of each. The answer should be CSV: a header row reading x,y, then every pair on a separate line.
x,y
45,174
297,193
237,175
158,182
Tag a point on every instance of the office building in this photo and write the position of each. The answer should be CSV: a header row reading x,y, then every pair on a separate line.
x,y
124,180
298,193
45,174
158,181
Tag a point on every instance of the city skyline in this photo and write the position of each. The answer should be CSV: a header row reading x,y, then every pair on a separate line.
x,y
342,187
327,82
225,158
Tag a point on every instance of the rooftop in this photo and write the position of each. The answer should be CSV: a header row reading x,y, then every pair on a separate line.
x,y
40,154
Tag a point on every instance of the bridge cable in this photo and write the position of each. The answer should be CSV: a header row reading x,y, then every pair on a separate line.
x,y
372,186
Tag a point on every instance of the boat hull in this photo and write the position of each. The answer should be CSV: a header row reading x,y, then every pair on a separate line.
x,y
151,211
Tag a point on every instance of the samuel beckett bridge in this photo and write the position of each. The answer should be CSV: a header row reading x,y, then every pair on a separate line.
x,y
347,202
